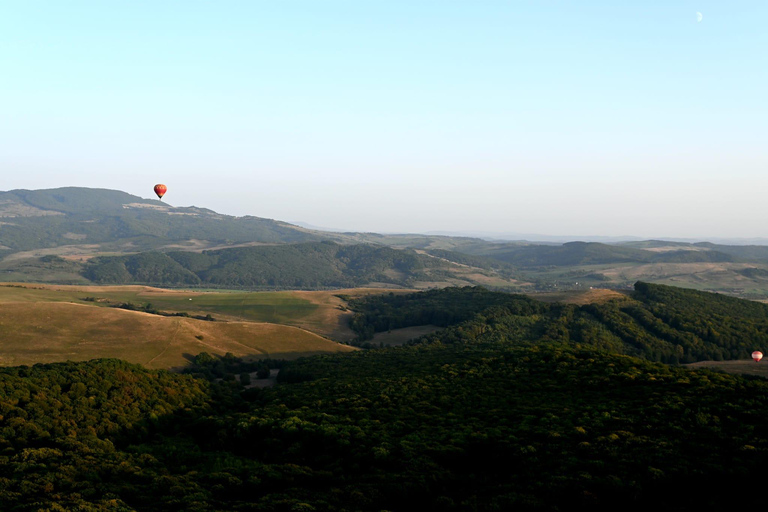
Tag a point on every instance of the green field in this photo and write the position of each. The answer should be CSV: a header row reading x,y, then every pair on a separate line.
x,y
274,307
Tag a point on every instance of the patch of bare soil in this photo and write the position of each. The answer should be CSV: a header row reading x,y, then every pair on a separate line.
x,y
580,297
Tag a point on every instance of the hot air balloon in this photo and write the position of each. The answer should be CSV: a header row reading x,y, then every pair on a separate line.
x,y
160,190
757,356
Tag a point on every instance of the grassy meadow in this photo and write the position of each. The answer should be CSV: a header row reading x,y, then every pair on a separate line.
x,y
47,323
49,332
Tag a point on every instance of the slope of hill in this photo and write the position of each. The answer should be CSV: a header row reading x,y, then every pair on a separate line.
x,y
42,332
35,219
660,323
295,266
476,417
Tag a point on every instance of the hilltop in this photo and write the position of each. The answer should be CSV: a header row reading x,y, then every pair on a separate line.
x,y
74,236
97,220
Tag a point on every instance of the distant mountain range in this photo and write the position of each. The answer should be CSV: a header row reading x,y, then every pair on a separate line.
x,y
35,219
70,234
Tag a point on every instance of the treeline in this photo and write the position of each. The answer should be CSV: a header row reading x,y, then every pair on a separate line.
x,y
307,265
660,323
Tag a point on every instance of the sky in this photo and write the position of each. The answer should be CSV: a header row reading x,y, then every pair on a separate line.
x,y
554,117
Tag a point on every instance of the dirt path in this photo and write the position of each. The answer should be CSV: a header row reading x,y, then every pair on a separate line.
x,y
168,345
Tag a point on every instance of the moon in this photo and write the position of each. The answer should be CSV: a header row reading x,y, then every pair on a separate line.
x,y
699,17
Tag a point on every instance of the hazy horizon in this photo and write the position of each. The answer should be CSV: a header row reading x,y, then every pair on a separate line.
x,y
581,120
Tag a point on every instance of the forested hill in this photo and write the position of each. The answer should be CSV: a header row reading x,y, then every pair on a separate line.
x,y
592,253
34,219
77,224
485,416
660,323
308,265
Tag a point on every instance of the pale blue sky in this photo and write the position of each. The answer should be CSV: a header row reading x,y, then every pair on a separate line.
x,y
568,118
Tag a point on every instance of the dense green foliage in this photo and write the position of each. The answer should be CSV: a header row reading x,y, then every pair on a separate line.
x,y
520,405
490,426
448,306
149,267
660,323
307,265
517,405
63,427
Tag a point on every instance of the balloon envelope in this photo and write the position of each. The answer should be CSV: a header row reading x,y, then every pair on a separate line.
x,y
160,190
757,356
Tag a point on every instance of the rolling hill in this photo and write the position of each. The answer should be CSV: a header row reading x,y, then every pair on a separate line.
x,y
656,322
41,323
48,235
516,405
34,333
114,221
310,265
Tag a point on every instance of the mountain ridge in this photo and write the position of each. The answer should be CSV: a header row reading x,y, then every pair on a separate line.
x,y
78,224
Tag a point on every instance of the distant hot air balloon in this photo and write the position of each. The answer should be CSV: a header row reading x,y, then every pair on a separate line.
x,y
757,356
160,190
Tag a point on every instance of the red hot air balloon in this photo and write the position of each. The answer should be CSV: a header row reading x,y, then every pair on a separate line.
x,y
160,190
757,356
